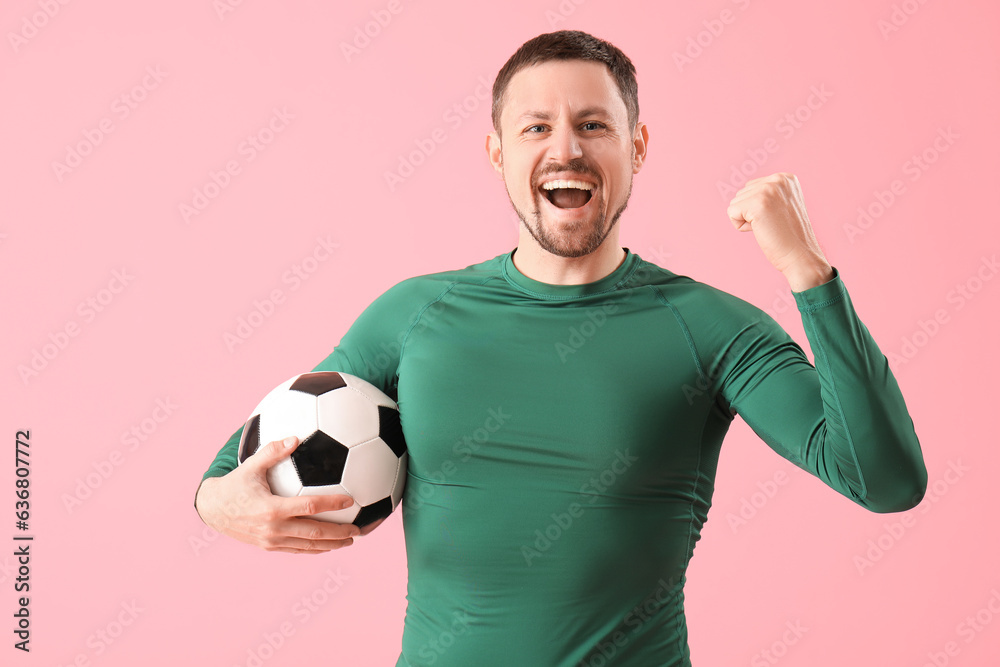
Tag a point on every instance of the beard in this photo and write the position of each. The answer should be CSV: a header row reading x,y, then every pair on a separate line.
x,y
576,239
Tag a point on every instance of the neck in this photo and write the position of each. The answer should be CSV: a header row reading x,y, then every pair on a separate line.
x,y
541,265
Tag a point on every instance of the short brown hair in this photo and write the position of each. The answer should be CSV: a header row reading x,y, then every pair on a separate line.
x,y
570,45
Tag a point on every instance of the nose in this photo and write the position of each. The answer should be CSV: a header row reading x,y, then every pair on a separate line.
x,y
564,145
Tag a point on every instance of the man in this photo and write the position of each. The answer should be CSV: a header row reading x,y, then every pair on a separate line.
x,y
564,404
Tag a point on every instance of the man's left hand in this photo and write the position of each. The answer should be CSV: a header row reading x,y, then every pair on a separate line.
x,y
772,208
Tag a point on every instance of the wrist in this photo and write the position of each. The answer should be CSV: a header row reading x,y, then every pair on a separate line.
x,y
803,277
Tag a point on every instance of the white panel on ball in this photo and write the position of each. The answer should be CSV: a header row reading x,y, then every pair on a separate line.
x,y
368,389
371,470
285,413
283,480
355,419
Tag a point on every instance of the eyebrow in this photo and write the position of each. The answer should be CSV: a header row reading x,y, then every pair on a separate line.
x,y
544,115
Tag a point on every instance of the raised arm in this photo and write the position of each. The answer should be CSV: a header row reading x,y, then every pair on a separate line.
x,y
844,419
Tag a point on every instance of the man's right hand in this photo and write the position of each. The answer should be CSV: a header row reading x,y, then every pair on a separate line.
x,y
240,504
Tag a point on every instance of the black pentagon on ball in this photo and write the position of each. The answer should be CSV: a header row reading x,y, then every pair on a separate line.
x,y
319,460
374,512
318,383
250,441
390,430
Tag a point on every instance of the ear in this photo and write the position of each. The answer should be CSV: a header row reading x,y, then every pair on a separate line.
x,y
640,142
495,152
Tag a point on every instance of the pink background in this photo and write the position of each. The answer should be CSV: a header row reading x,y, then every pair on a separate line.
x,y
133,541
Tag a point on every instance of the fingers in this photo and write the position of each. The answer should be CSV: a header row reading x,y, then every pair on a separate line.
x,y
302,535
310,536
316,531
309,505
265,457
312,551
299,526
302,546
739,218
289,528
299,551
318,546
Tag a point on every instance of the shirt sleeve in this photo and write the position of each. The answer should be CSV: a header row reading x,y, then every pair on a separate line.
x,y
370,350
843,420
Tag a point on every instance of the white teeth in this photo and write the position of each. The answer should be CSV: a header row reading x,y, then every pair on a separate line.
x,y
579,185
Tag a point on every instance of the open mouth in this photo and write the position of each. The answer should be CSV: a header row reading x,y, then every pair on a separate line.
x,y
568,194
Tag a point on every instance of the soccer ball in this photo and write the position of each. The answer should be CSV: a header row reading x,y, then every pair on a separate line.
x,y
350,442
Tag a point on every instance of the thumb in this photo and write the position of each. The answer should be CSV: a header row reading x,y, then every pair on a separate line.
x,y
265,457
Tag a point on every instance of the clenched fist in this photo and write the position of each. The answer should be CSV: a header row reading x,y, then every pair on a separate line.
x,y
773,209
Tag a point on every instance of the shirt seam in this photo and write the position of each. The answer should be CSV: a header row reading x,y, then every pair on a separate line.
x,y
554,297
810,307
427,305
819,350
684,328
681,619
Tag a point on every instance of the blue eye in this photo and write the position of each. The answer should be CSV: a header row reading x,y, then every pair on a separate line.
x,y
531,128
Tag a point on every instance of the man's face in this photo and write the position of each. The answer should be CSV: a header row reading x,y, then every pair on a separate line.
x,y
565,121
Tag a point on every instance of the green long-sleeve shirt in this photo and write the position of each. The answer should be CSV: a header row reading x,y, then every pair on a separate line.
x,y
563,443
